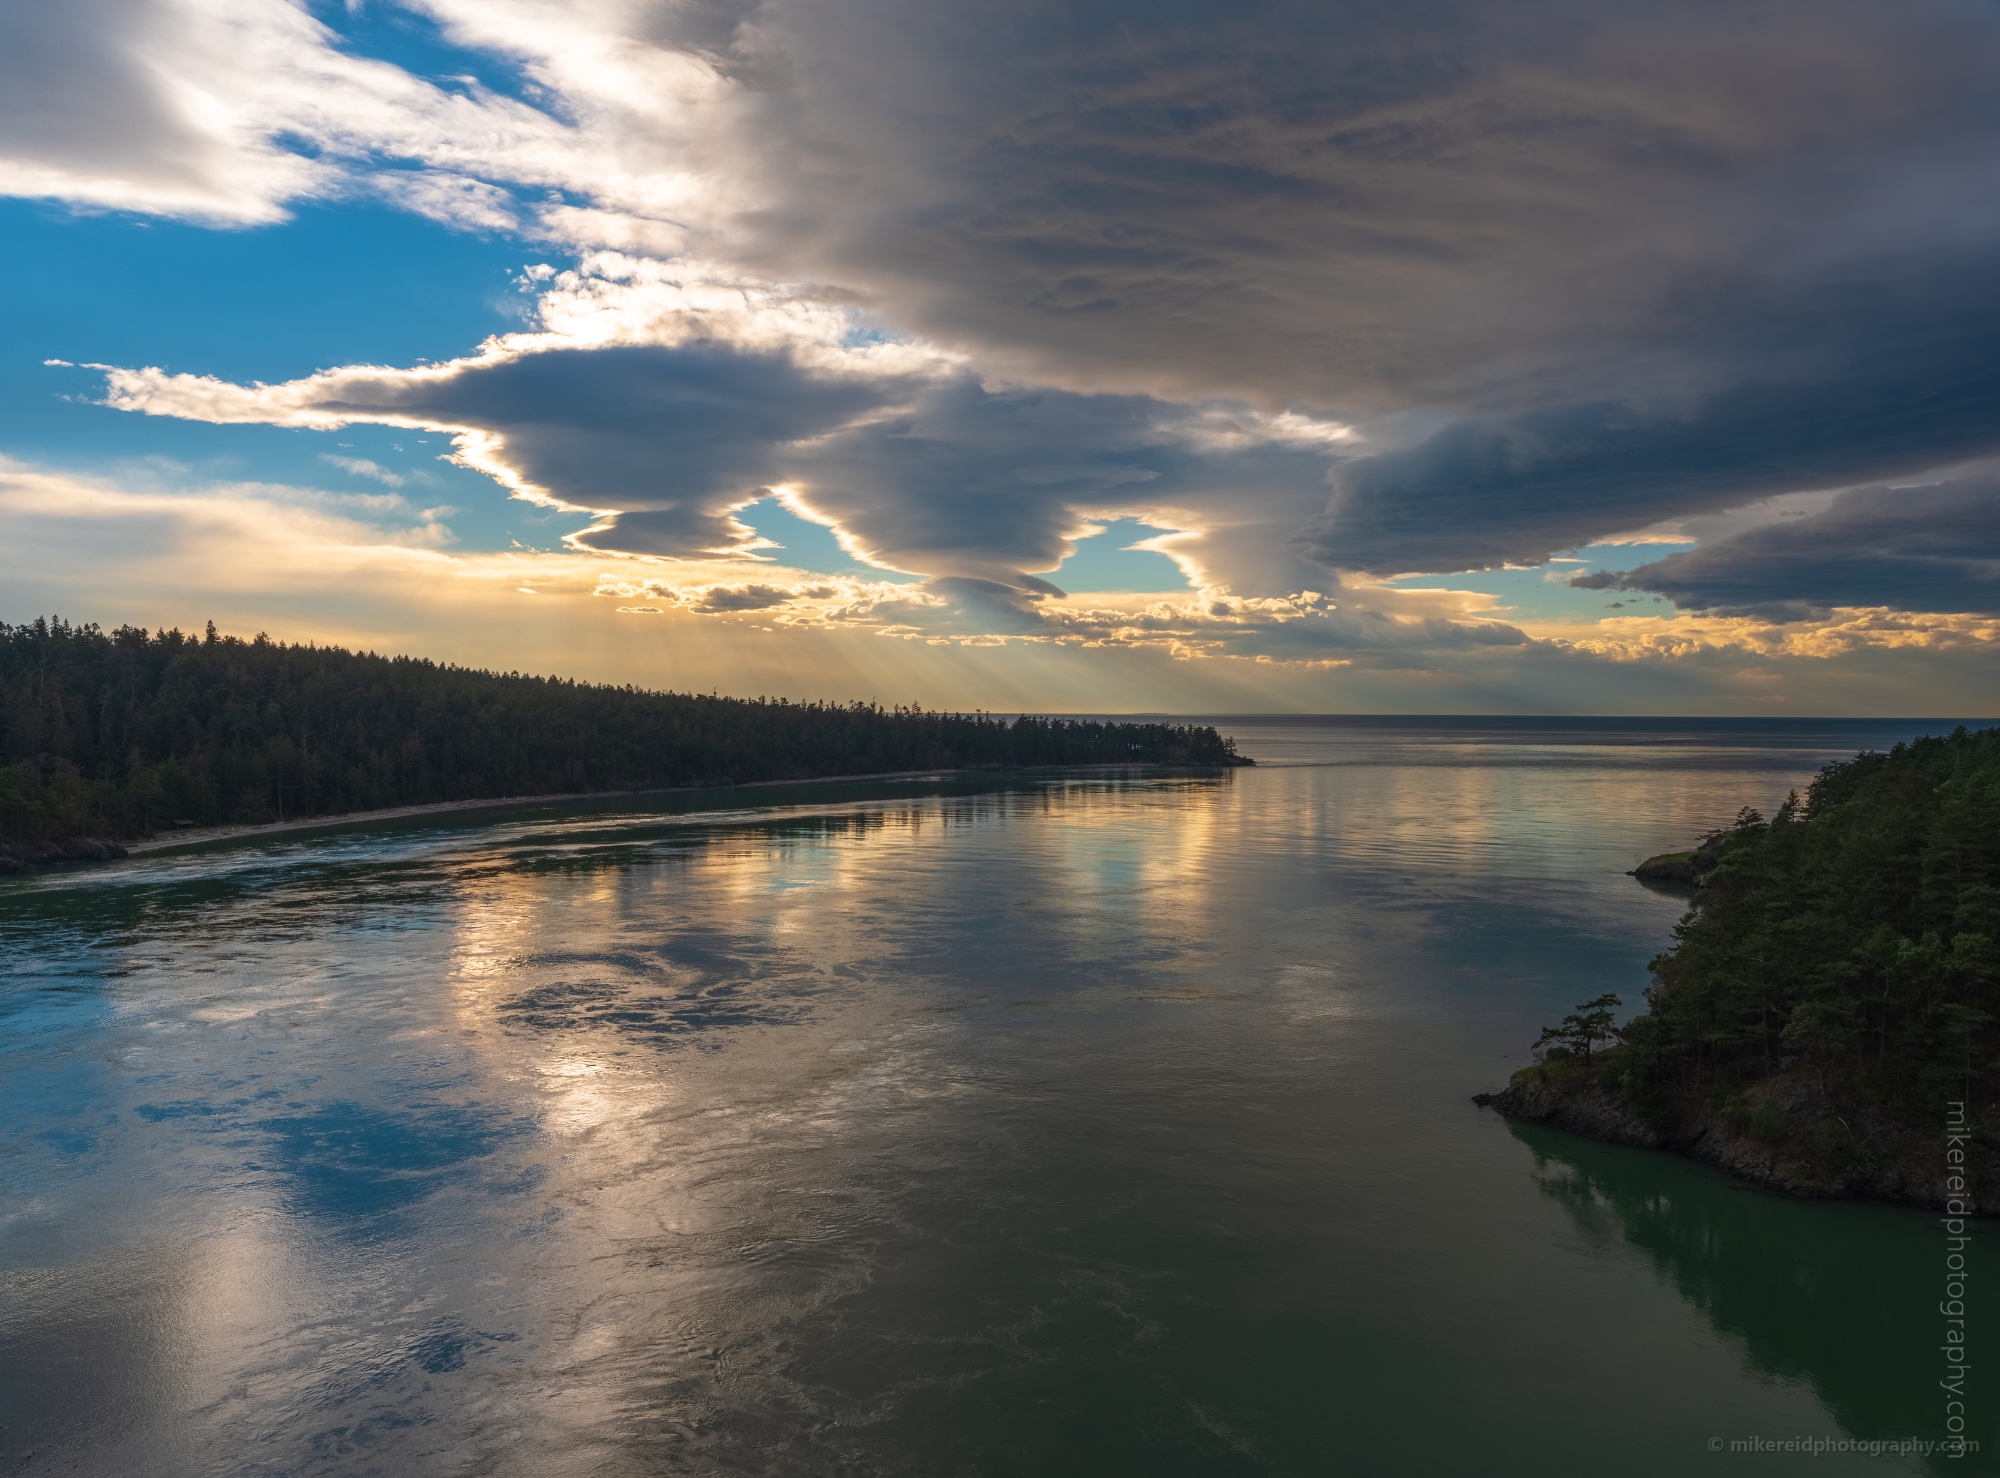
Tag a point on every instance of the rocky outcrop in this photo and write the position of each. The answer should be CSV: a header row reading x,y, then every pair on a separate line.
x,y
1689,868
34,856
1789,1133
1669,867
1590,1110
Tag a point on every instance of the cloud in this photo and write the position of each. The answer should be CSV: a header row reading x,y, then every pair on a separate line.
x,y
1933,548
1379,629
1371,208
1924,391
262,542
1307,628
362,467
664,442
916,465
1364,208
111,103
1367,289
151,534
351,568
455,200
224,110
1828,636
663,405
722,598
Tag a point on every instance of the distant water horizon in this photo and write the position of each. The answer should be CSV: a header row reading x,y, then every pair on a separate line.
x,y
1507,720
1044,1122
1830,729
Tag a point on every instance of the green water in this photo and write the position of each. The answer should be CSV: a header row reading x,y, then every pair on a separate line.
x,y
1043,1124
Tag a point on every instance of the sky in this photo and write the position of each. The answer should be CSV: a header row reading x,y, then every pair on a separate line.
x,y
1442,356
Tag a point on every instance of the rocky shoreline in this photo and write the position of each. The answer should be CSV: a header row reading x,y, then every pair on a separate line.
x,y
1788,1134
18,857
1688,868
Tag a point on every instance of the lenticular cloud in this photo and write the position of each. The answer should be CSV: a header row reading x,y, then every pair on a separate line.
x,y
1333,291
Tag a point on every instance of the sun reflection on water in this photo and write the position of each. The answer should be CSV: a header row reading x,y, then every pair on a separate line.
x,y
879,1129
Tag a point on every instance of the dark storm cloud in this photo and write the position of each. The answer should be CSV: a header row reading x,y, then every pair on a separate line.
x,y
929,472
1365,206
1639,261
1934,548
673,436
970,482
1810,412
958,480
1620,262
955,480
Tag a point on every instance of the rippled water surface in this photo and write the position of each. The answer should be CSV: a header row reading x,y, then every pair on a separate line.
x,y
1039,1124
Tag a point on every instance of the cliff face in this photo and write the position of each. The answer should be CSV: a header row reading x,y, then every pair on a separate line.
x,y
1590,1110
1789,1133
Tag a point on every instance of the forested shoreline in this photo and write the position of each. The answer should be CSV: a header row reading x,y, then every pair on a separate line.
x,y
1855,929
122,733
1832,999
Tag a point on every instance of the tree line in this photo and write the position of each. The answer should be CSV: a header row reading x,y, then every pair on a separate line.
x,y
121,733
1856,933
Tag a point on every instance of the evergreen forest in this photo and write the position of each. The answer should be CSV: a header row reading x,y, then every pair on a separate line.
x,y
122,733
1855,934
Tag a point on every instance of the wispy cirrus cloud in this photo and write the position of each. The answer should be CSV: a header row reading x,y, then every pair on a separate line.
x,y
363,467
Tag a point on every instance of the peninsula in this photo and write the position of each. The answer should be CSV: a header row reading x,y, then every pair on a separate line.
x,y
1828,1020
122,734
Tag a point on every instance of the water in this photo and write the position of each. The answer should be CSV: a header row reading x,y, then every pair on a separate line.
x,y
1039,1124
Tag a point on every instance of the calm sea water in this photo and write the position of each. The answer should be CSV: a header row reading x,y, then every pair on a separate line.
x,y
1047,1124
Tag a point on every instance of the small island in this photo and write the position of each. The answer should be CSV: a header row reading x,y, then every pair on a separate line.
x,y
1828,1020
